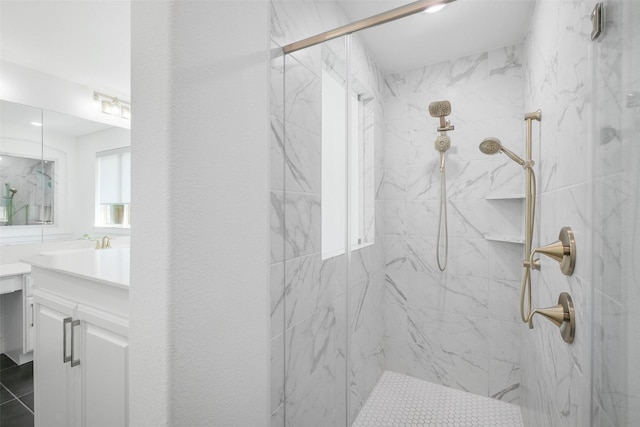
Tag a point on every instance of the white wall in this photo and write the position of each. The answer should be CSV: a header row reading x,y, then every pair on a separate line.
x,y
199,299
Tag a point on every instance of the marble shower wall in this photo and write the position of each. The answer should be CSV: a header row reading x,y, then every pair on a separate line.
x,y
320,317
555,375
458,328
616,273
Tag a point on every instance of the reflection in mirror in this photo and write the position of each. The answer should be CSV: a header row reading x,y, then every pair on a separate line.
x,y
27,197
51,160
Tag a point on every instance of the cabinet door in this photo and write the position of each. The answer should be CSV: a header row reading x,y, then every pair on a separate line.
x,y
105,377
54,380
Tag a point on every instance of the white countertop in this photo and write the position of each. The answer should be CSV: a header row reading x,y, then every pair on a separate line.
x,y
14,269
109,266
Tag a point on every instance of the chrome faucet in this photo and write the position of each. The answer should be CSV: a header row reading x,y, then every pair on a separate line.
x,y
104,244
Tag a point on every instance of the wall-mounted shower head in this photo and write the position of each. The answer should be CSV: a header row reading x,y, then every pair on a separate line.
x,y
443,143
440,108
493,145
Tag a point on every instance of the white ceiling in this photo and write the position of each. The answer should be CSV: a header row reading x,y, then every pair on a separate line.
x,y
461,28
87,42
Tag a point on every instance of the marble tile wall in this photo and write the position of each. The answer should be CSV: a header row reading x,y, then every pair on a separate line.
x,y
326,326
459,327
615,373
556,375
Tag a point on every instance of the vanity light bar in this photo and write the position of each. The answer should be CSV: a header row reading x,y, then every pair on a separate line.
x,y
112,105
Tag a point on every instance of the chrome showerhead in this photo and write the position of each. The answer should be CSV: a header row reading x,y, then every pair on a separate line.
x,y
493,145
443,143
13,192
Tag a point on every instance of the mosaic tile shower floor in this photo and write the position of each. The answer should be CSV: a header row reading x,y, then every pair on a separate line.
x,y
401,400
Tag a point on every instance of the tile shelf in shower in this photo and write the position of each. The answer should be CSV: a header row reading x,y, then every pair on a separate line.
x,y
506,239
505,197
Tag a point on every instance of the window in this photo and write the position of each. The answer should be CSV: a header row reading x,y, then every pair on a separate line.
x,y
113,188
333,209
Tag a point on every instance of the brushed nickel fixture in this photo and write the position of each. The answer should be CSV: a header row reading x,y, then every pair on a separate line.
x,y
562,315
562,250
372,21
493,145
530,211
597,21
442,109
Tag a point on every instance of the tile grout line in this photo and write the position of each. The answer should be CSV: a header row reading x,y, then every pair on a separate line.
x,y
18,399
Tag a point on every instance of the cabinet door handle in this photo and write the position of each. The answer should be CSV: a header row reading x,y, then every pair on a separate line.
x,y
74,362
65,358
32,315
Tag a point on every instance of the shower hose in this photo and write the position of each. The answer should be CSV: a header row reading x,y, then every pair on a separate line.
x,y
526,280
443,210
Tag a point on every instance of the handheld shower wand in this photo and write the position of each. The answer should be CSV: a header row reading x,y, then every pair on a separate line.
x,y
442,144
441,109
493,145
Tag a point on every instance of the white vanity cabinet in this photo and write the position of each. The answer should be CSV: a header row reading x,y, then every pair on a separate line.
x,y
16,312
81,340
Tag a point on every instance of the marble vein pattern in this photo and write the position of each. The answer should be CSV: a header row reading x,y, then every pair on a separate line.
x,y
461,328
438,326
558,62
310,295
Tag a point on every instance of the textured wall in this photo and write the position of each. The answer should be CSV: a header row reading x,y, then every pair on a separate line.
x,y
199,242
458,328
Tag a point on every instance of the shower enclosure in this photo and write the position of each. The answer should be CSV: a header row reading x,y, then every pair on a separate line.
x,y
355,289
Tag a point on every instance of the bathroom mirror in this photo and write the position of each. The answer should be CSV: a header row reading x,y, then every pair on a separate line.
x,y
50,183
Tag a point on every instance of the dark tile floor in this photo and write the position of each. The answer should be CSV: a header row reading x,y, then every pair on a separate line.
x,y
16,393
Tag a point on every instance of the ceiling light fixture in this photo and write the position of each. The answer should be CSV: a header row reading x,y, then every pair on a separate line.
x,y
112,105
435,8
